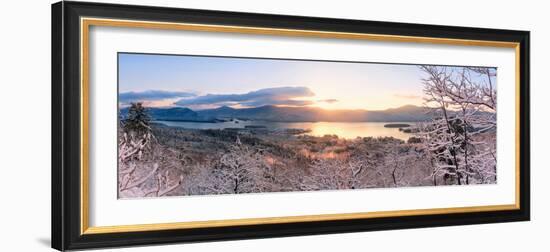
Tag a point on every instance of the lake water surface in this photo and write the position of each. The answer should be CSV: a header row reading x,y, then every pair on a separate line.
x,y
348,130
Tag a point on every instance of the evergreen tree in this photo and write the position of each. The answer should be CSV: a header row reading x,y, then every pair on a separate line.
x,y
138,119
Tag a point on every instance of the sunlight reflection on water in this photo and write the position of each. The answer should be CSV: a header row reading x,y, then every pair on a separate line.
x,y
347,130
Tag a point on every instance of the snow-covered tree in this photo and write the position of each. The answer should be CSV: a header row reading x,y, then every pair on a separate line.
x,y
139,172
463,103
137,120
344,172
241,170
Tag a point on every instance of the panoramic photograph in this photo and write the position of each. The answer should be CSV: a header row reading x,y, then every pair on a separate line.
x,y
209,125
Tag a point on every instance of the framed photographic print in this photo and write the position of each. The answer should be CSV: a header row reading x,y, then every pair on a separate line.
x,y
180,125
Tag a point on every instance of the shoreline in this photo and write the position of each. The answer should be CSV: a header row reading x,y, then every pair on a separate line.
x,y
278,131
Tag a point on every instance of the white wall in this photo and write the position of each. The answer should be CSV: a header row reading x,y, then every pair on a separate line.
x,y
25,125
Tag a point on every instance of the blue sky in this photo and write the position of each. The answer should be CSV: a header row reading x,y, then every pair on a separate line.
x,y
206,82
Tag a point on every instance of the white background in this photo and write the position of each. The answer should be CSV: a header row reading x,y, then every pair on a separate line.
x,y
25,126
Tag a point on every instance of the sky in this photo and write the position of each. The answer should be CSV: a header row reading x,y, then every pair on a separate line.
x,y
200,82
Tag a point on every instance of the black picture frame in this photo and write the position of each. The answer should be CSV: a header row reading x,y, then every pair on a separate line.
x,y
66,124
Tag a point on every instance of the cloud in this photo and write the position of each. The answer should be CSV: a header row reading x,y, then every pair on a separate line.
x,y
407,96
151,95
297,103
328,100
268,96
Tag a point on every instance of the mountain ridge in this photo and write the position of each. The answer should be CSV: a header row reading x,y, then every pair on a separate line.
x,y
407,113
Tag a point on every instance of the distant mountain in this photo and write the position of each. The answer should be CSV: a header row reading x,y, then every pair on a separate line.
x,y
311,114
173,114
221,112
266,113
407,113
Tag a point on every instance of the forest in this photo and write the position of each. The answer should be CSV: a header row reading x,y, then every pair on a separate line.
x,y
456,146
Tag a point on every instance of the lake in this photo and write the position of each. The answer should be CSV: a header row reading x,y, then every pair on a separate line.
x,y
347,130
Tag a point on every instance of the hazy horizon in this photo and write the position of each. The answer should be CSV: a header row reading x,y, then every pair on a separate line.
x,y
127,105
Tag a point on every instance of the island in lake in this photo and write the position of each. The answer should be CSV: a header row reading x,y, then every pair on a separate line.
x,y
397,125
